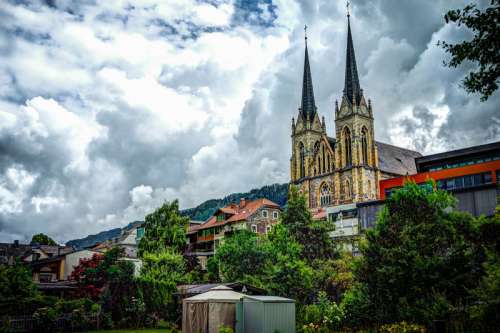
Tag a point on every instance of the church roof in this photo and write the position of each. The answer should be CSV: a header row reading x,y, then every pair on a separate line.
x,y
352,87
332,142
396,160
308,105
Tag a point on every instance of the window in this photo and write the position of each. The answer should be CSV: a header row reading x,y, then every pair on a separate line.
x,y
268,229
264,214
323,169
254,228
302,152
220,217
498,176
347,145
45,277
275,215
364,145
325,196
467,181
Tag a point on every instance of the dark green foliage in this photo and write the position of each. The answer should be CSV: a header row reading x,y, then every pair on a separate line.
x,y
482,49
243,255
16,283
164,228
160,274
418,262
312,235
42,239
276,193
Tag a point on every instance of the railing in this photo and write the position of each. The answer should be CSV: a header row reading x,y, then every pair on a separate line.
x,y
63,323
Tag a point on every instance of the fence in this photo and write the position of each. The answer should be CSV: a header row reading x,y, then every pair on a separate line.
x,y
64,322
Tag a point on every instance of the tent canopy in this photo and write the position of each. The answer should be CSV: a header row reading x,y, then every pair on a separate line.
x,y
217,294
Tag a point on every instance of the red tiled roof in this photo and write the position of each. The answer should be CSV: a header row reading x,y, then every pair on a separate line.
x,y
318,214
238,213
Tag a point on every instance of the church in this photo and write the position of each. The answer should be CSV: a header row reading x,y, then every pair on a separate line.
x,y
347,167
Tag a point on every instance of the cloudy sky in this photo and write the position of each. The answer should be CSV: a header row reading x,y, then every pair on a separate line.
x,y
108,109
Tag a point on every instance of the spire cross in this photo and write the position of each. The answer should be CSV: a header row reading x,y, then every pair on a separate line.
x,y
348,7
305,32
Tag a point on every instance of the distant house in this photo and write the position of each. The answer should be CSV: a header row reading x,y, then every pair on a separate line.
x,y
10,252
258,216
128,241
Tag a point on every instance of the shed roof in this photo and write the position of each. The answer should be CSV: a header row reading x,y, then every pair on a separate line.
x,y
270,299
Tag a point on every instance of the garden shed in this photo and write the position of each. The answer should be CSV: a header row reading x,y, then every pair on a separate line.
x,y
268,314
207,312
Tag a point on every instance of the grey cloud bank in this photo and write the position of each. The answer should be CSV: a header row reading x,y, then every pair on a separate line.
x,y
107,110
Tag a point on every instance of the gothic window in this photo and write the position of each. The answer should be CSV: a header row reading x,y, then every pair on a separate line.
x,y
324,159
347,145
325,195
302,151
328,162
347,190
364,145
369,189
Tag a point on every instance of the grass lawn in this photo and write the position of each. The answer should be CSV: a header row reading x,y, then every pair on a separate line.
x,y
147,330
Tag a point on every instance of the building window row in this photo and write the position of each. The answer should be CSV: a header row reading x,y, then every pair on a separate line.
x,y
465,163
468,181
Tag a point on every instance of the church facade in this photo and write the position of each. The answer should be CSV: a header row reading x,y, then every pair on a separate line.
x,y
347,167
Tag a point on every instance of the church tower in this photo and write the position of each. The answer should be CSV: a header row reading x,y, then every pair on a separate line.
x,y
307,129
356,150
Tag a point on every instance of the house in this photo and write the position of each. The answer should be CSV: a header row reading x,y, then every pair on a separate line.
x,y
10,252
128,241
257,216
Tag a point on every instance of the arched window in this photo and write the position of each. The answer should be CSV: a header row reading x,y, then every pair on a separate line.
x,y
302,151
369,189
325,196
347,145
324,158
364,145
328,162
347,190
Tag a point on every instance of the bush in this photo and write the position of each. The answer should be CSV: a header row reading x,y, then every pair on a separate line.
x,y
45,319
225,329
323,316
402,327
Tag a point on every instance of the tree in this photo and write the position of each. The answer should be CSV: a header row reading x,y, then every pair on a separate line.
x,y
482,49
164,228
419,261
85,275
312,235
160,274
241,257
42,239
16,283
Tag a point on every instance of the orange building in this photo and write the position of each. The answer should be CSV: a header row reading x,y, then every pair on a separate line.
x,y
457,171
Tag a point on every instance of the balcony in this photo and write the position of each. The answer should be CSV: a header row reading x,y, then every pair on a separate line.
x,y
207,238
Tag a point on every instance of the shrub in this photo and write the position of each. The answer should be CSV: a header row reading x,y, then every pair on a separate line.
x,y
402,327
323,316
225,329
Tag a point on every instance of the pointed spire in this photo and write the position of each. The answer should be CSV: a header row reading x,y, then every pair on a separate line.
x,y
352,89
308,106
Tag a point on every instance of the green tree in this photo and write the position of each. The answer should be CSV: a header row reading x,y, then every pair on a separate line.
x,y
312,235
482,49
42,239
419,261
160,274
241,257
16,283
165,228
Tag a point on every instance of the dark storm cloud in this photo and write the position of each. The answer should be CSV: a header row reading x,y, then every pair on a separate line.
x,y
107,110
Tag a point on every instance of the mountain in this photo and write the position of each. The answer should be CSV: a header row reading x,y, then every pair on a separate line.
x,y
276,192
100,237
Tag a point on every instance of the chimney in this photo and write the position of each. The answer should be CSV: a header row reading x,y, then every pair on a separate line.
x,y
243,202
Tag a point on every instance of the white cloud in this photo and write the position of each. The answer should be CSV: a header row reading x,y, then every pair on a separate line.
x,y
109,109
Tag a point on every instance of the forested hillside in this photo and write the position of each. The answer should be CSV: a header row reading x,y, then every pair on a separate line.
x,y
275,192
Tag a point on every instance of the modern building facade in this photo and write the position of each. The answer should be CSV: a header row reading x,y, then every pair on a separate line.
x,y
347,167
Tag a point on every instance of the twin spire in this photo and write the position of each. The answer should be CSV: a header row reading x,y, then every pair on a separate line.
x,y
352,89
308,106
